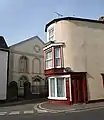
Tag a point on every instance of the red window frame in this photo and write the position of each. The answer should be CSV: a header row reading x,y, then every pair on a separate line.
x,y
57,58
47,51
103,79
54,57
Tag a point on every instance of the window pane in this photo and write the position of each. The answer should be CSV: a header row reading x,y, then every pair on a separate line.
x,y
60,87
57,61
51,34
49,55
35,89
46,64
21,83
49,63
52,87
57,52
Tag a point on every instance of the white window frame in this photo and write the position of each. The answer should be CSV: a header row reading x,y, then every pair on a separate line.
x,y
58,98
58,66
54,57
52,35
48,59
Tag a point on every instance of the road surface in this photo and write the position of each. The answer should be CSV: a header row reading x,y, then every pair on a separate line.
x,y
26,112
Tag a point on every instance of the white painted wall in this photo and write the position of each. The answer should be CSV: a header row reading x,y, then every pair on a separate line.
x,y
3,74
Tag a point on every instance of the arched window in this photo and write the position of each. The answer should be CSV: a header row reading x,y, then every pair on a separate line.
x,y
23,64
22,80
36,65
36,85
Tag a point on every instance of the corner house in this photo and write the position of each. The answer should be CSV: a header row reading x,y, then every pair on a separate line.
x,y
74,60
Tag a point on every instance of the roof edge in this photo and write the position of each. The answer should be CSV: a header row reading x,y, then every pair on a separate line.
x,y
72,18
26,40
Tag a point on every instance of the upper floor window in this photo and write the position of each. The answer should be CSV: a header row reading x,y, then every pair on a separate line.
x,y
36,65
48,59
51,34
57,57
23,64
54,57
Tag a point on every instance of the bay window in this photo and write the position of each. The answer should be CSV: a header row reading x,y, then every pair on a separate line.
x,y
52,87
48,59
57,88
53,58
57,57
53,55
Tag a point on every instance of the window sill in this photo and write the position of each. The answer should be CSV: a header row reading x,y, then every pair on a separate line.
x,y
53,67
35,93
58,66
58,98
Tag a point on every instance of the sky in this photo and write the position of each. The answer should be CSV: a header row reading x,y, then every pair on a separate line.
x,y
23,19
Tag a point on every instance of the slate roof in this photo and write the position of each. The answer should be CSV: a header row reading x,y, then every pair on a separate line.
x,y
3,43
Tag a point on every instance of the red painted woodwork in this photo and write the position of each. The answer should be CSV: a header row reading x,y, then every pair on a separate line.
x,y
85,91
53,61
54,71
44,63
67,91
54,57
79,88
58,102
103,78
75,91
61,57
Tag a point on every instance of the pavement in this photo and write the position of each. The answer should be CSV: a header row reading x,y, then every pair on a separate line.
x,y
21,102
45,107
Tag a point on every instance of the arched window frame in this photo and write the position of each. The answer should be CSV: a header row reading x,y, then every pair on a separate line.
x,y
39,65
22,80
23,64
37,85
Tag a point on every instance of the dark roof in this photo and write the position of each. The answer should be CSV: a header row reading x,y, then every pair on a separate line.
x,y
72,18
3,43
26,41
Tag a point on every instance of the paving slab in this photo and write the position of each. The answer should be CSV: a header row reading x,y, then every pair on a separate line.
x,y
51,106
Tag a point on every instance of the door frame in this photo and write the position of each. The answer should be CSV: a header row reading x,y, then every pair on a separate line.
x,y
79,76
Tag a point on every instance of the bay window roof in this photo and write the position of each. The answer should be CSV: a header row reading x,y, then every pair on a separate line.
x,y
53,44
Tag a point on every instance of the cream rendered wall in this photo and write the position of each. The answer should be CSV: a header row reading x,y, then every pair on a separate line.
x,y
83,51
25,49
28,46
